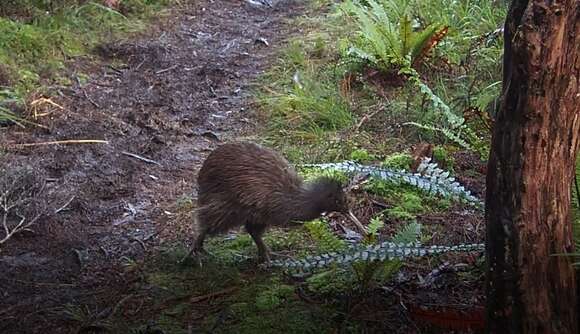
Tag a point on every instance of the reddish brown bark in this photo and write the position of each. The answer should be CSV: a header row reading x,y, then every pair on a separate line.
x,y
530,170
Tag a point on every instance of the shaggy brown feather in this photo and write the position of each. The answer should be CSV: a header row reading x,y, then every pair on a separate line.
x,y
246,184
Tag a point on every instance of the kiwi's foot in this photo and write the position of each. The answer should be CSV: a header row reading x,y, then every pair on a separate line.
x,y
263,257
197,255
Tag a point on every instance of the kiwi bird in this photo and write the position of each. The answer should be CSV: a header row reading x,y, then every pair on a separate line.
x,y
243,183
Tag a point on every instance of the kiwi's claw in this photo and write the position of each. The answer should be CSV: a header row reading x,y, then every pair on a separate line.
x,y
196,254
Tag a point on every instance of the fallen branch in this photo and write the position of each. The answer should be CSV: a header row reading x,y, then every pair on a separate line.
x,y
21,226
19,207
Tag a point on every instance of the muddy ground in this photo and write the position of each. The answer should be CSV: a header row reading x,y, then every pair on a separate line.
x,y
170,96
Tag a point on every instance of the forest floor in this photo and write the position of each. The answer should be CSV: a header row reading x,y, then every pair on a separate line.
x,y
171,96
105,258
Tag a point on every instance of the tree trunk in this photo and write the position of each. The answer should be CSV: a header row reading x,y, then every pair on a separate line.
x,y
530,170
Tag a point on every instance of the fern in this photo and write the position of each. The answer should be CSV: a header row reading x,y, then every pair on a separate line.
x,y
381,252
451,118
448,133
454,128
375,225
387,39
327,241
429,179
407,233
426,41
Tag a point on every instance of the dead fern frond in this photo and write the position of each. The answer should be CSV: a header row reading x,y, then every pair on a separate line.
x,y
430,44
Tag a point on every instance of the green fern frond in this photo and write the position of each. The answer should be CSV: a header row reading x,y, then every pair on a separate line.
x,y
422,39
326,240
452,119
407,233
375,224
381,252
432,180
446,132
361,54
405,35
386,30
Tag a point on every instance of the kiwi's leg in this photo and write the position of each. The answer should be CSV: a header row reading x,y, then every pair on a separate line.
x,y
197,248
198,244
257,231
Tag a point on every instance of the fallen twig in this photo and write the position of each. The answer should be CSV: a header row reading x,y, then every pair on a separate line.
x,y
211,295
368,116
140,64
85,92
21,226
139,241
167,69
90,100
58,142
140,158
120,303
65,205
358,224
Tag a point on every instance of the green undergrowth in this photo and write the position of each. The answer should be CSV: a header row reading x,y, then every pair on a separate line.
x,y
251,299
247,299
316,97
37,38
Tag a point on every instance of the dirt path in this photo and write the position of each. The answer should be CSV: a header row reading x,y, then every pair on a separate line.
x,y
180,90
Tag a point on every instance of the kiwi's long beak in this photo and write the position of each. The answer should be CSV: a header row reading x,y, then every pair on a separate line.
x,y
357,222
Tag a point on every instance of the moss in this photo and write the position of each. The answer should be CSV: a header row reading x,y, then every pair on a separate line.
x,y
409,205
443,158
185,203
412,203
34,50
310,174
330,282
294,238
398,213
294,317
405,201
274,296
361,155
399,161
